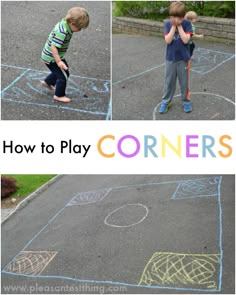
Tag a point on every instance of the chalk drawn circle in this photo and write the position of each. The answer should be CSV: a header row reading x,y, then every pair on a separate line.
x,y
209,94
127,215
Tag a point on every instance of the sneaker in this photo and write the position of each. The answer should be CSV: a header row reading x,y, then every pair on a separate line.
x,y
164,107
187,107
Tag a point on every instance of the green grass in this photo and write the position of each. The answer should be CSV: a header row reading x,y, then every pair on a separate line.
x,y
28,183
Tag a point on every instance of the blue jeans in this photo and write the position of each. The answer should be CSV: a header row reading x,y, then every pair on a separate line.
x,y
57,78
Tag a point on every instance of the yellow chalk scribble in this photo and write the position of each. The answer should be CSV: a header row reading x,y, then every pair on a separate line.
x,y
181,270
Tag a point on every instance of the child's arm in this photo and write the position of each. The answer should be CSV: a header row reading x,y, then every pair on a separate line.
x,y
185,37
169,37
57,58
198,36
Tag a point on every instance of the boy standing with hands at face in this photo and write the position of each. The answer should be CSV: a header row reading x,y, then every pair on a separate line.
x,y
53,54
177,32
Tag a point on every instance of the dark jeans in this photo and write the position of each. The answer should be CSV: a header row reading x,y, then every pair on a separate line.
x,y
192,46
57,78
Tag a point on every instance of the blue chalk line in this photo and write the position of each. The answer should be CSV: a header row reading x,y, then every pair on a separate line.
x,y
123,283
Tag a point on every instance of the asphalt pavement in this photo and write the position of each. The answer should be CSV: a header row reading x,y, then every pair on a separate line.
x,y
123,234
23,36
138,67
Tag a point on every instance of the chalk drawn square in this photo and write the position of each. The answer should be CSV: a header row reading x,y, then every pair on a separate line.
x,y
31,262
89,197
89,95
197,188
206,60
182,270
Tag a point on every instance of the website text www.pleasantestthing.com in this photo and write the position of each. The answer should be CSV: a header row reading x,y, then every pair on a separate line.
x,y
79,288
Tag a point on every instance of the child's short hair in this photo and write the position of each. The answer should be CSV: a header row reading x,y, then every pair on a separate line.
x,y
78,16
190,15
177,8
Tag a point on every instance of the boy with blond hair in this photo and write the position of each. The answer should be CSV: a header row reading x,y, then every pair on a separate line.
x,y
177,32
192,17
53,54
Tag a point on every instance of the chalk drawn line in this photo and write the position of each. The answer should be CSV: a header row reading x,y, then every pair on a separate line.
x,y
140,284
203,63
138,74
42,71
109,282
98,103
207,60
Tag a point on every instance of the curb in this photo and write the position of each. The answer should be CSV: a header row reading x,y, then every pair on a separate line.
x,y
28,199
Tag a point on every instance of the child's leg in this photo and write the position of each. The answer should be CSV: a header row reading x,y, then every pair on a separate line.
x,y
44,84
192,46
59,78
50,81
170,81
61,82
182,73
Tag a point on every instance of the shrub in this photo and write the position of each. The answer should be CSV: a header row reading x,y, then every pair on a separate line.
x,y
8,186
158,10
219,9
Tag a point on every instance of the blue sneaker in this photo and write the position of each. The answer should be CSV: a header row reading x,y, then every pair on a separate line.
x,y
187,108
164,107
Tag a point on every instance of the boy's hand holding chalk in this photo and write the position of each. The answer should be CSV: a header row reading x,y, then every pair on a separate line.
x,y
62,65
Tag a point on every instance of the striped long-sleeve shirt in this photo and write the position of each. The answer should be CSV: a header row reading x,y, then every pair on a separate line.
x,y
60,38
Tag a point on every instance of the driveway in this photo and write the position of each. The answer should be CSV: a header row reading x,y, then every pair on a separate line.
x,y
138,65
123,234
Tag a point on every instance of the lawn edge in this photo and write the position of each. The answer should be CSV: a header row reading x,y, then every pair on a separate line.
x,y
31,196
